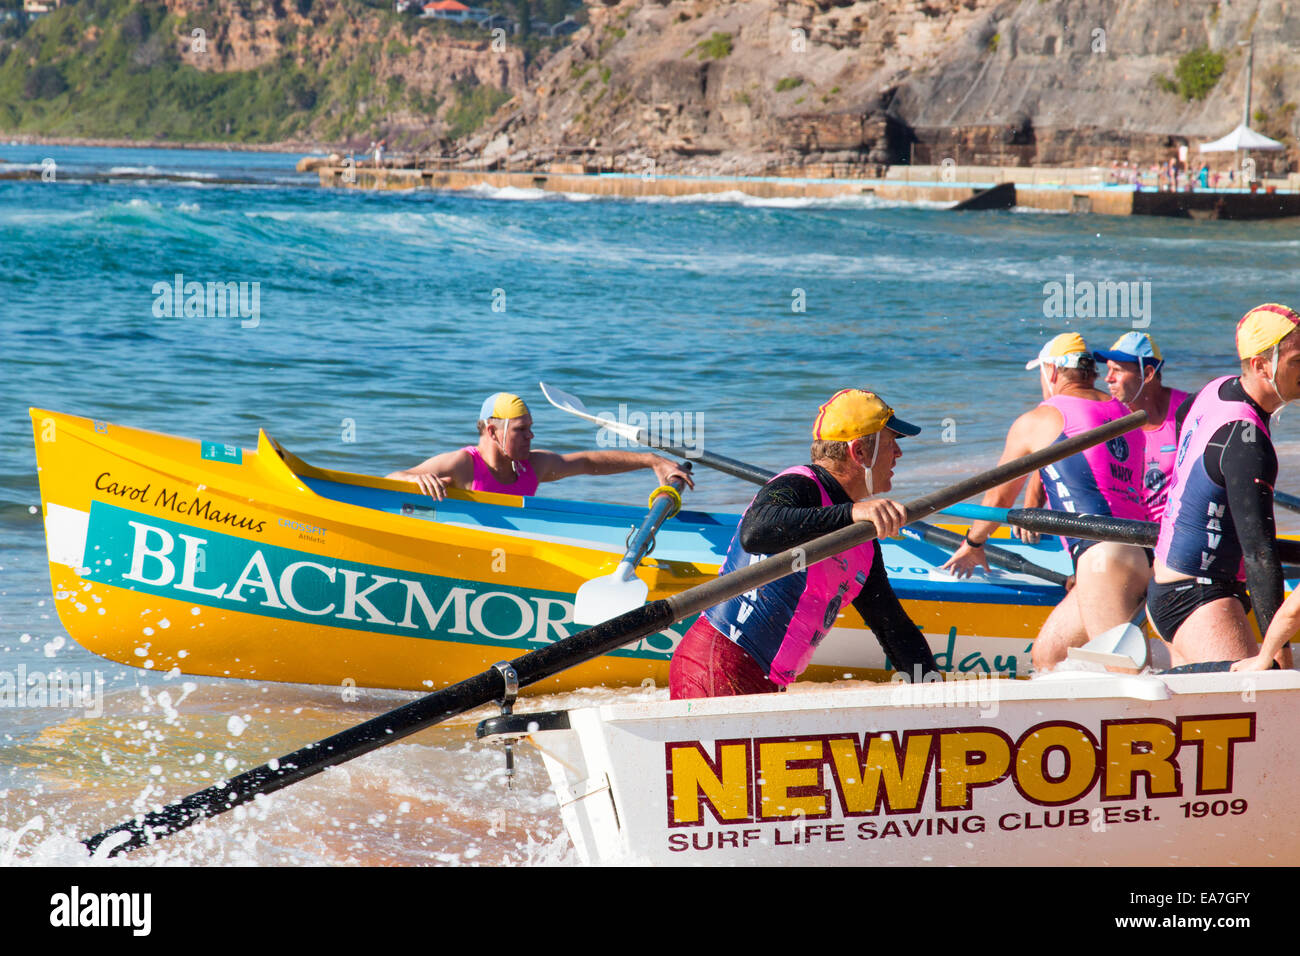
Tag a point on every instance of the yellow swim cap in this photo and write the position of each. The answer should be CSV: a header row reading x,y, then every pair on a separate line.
x,y
1263,327
1064,351
502,405
853,412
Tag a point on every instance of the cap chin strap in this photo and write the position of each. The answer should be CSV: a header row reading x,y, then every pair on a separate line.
x,y
505,433
1142,375
867,469
1272,381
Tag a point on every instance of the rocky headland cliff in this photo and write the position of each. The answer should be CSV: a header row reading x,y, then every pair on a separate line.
x,y
752,85
735,86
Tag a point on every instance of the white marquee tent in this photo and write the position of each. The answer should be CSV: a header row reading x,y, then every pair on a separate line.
x,y
1243,137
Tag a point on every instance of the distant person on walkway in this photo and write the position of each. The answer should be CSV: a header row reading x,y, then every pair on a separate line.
x,y
505,462
1217,533
1110,578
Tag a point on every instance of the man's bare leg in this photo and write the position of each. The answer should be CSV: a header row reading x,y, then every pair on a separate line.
x,y
1112,582
1062,630
1217,631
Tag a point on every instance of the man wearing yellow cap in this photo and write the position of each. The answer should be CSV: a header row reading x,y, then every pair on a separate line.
x,y
504,461
1110,578
761,641
1217,534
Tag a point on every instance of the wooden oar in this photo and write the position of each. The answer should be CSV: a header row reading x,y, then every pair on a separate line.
x,y
997,557
504,678
621,591
1065,523
573,405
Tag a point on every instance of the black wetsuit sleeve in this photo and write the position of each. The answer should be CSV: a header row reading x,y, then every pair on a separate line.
x,y
1180,415
786,512
1244,463
901,639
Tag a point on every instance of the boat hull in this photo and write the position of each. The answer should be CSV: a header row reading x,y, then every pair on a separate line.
x,y
1073,769
173,553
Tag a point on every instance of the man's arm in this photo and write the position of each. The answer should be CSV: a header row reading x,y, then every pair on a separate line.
x,y
1035,497
454,469
1285,624
787,512
1033,430
1248,471
900,638
549,466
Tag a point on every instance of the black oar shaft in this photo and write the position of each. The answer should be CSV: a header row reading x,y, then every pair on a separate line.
x,y
1089,527
554,658
1007,560
737,469
997,557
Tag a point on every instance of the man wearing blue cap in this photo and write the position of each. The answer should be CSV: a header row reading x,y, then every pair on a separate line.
x,y
504,461
1133,367
1111,578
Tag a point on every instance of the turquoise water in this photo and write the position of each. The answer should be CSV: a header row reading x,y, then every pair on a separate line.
x,y
383,320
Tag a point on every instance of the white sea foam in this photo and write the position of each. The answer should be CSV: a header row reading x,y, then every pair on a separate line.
x,y
155,171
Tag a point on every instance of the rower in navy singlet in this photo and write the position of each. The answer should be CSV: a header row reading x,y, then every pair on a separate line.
x,y
1217,534
761,641
1110,578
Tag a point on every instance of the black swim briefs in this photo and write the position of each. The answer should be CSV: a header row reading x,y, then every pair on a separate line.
x,y
1172,603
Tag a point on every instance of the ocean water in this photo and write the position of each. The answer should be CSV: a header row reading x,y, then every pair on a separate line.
x,y
381,323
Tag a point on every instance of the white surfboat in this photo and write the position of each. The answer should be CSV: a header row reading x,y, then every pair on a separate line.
x,y
1074,768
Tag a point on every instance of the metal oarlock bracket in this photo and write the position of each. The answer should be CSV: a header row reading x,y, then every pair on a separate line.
x,y
507,702
631,532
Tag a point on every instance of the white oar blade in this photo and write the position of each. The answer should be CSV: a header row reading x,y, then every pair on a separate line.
x,y
573,405
1123,646
563,400
604,598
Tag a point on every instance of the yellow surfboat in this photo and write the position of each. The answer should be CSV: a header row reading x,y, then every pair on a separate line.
x,y
170,552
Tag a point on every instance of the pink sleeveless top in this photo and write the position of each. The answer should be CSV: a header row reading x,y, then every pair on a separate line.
x,y
1100,480
525,483
781,623
1158,468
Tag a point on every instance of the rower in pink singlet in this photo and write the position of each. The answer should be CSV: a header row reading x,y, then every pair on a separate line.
x,y
525,482
504,461
1134,366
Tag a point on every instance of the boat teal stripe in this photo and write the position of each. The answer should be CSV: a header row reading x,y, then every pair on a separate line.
x,y
207,568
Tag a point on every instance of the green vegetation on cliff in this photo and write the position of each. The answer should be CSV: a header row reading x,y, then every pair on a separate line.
x,y
116,68
112,68
1195,75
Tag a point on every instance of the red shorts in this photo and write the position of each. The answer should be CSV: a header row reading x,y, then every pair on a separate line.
x,y
706,664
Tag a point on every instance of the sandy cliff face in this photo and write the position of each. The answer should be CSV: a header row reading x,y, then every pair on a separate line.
x,y
744,85
412,81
